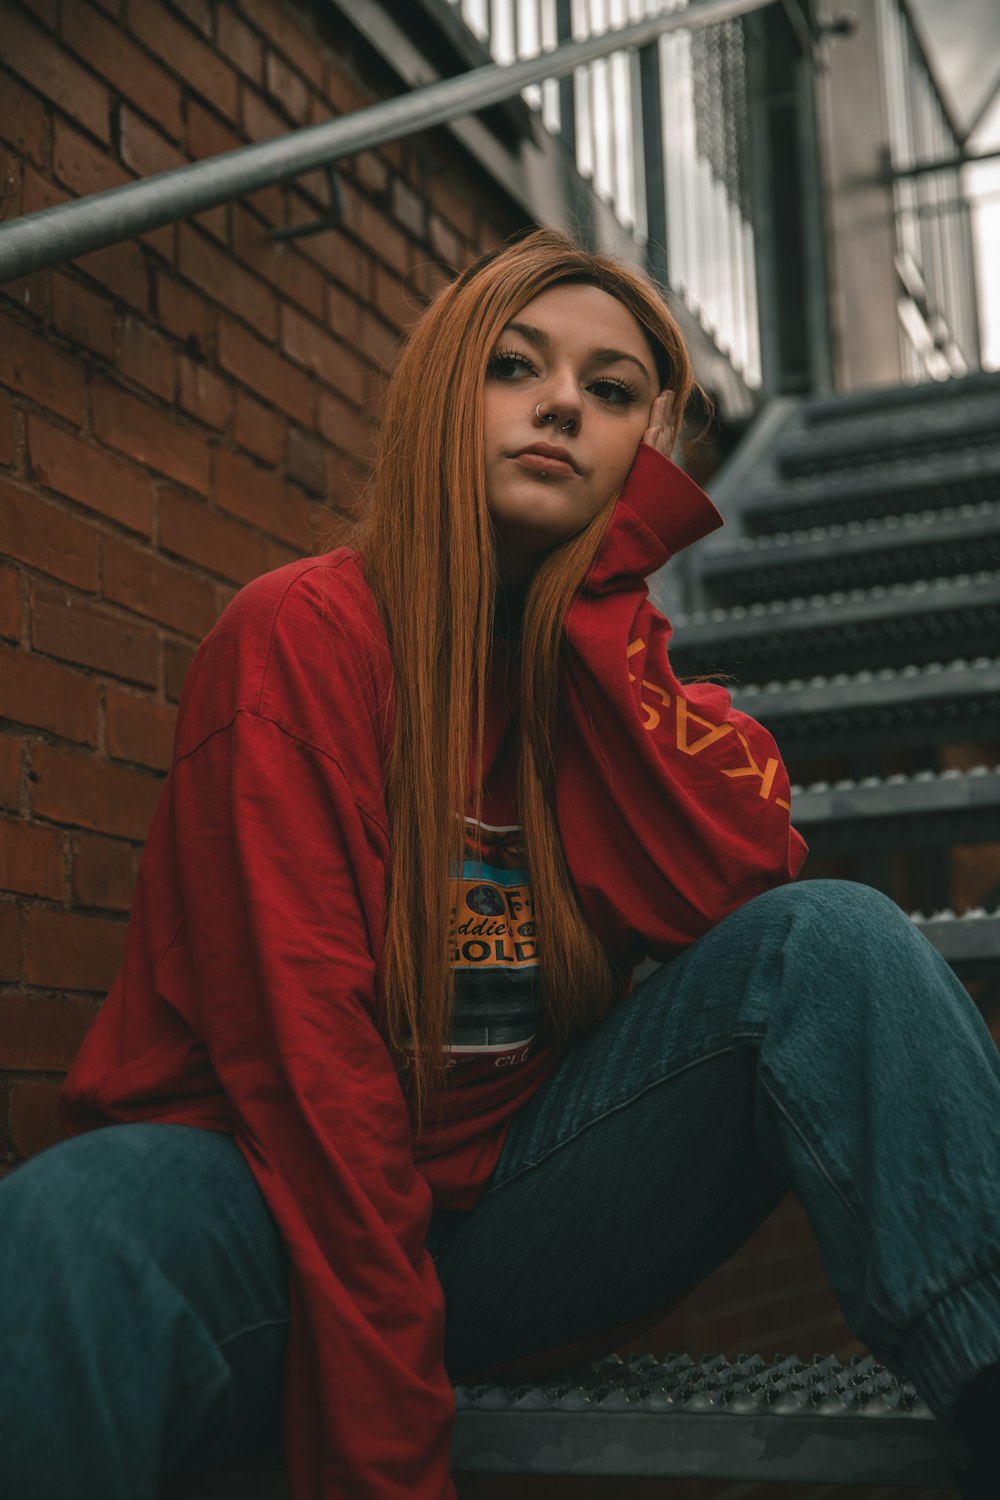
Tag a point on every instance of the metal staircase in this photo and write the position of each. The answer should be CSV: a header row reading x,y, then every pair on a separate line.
x,y
853,604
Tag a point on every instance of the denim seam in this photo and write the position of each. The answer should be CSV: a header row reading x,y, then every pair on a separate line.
x,y
530,1166
254,1328
958,1286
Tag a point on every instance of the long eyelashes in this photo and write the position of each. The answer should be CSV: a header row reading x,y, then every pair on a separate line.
x,y
504,363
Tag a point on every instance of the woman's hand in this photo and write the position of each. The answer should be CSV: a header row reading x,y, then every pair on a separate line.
x,y
659,433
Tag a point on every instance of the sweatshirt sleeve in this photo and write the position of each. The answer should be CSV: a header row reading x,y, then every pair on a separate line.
x,y
673,807
282,874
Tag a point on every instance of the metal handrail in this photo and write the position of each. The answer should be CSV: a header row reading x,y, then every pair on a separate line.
x,y
34,241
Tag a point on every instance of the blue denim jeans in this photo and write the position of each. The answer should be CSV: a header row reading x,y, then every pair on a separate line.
x,y
812,1040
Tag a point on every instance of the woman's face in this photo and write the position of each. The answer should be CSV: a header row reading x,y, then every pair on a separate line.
x,y
578,353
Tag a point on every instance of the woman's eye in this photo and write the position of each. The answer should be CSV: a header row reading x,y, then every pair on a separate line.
x,y
615,391
508,366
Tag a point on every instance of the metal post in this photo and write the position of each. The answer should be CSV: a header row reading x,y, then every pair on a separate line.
x,y
567,84
653,165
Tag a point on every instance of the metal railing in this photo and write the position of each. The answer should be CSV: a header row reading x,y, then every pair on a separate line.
x,y
618,78
661,133
938,317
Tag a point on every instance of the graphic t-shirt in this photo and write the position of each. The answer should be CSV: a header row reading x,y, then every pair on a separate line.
x,y
494,950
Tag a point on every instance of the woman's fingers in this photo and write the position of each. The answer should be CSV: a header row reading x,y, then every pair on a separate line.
x,y
658,433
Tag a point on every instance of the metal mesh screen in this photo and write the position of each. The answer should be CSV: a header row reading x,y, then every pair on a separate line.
x,y
718,64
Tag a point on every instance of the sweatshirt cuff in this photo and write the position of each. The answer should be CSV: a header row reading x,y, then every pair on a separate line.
x,y
667,501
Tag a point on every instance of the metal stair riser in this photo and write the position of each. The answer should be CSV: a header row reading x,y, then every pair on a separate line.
x,y
857,444
900,626
842,558
883,816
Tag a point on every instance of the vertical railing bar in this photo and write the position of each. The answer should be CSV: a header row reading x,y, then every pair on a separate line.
x,y
567,86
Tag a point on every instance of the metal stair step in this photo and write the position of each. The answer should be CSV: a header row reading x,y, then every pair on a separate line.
x,y
932,704
883,401
895,549
783,1421
901,812
898,433
969,478
904,623
969,943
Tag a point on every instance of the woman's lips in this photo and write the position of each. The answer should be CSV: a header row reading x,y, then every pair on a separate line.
x,y
544,464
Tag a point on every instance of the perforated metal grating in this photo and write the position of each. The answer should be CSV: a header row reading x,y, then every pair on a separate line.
x,y
854,1423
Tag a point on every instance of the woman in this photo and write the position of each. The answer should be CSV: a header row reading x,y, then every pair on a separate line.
x,y
432,799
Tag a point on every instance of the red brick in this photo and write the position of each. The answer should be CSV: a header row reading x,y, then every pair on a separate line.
x,y
53,72
144,148
220,545
310,345
83,316
259,120
31,860
147,358
278,264
195,63
34,1117
25,123
32,367
300,46
308,463
10,604
408,209
103,871
150,436
40,1033
395,299
73,629
84,792
38,191
239,44
47,537
332,251
378,342
10,941
8,432
444,241
184,313
199,13
177,656
343,90
65,950
10,770
41,694
140,731
287,88
260,497
264,371
130,70
206,135
371,173
122,269
342,313
347,429
46,11
81,166
144,582
258,429
377,231
62,461
215,273
204,395
456,207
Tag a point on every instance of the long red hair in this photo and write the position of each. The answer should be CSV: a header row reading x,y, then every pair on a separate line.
x,y
429,560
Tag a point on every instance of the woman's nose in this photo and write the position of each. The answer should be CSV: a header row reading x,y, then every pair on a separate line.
x,y
560,403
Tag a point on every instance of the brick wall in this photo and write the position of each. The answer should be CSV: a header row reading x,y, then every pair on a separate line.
x,y
178,415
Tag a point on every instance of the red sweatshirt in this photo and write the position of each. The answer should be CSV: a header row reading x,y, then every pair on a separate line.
x,y
249,1003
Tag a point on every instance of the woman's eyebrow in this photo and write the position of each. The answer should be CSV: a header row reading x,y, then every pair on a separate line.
x,y
539,337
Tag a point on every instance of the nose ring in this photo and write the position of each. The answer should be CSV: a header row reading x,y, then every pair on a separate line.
x,y
550,416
